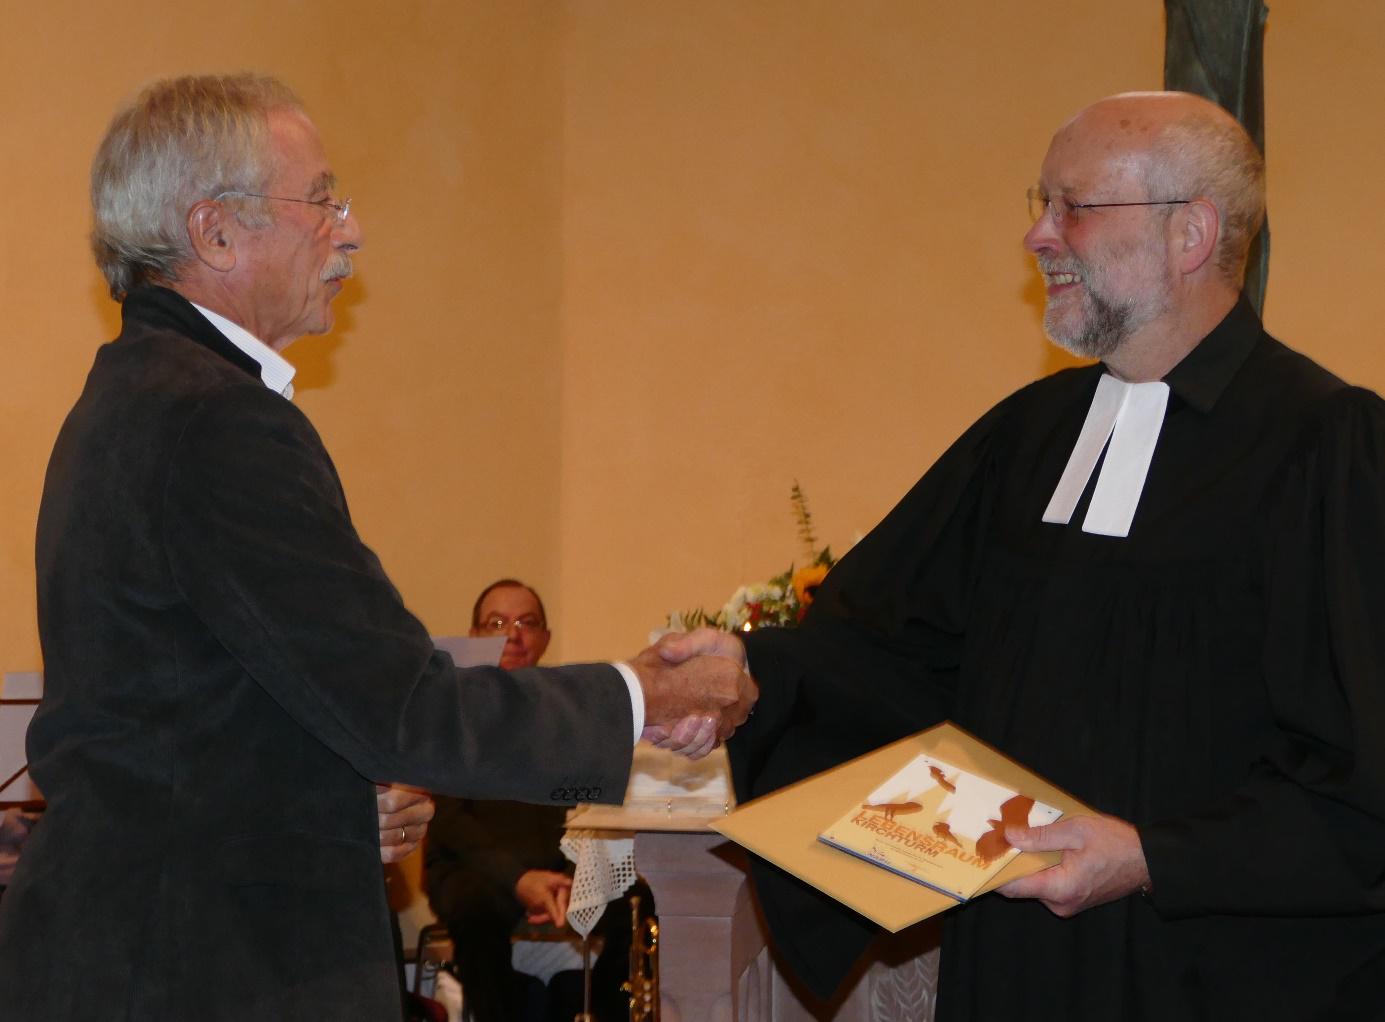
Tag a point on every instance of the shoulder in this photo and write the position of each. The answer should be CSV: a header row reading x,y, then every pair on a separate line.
x,y
1036,405
1289,373
1295,388
1045,395
154,376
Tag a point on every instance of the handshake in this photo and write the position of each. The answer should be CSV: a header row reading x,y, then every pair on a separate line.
x,y
696,693
696,690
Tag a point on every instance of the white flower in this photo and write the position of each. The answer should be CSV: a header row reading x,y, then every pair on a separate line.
x,y
759,592
736,613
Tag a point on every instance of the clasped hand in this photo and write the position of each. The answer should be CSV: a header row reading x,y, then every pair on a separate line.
x,y
544,893
404,814
696,690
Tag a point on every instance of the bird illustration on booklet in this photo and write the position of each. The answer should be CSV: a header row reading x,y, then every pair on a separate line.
x,y
939,825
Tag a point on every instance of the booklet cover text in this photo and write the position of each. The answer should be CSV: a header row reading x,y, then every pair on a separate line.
x,y
937,824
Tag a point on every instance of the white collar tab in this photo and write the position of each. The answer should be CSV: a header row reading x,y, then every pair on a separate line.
x,y
1130,416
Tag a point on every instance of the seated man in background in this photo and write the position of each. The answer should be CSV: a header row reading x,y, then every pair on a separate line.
x,y
490,865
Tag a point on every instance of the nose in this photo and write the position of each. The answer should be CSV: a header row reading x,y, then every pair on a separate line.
x,y
347,235
1043,236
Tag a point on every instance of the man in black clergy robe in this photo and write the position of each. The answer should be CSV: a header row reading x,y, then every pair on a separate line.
x,y
228,666
1158,581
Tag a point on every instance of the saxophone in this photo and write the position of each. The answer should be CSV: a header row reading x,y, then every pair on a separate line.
x,y
643,985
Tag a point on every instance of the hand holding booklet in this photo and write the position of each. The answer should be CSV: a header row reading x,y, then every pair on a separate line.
x,y
939,825
791,827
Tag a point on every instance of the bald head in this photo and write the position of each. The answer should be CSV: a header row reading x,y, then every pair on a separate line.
x,y
1181,146
1150,202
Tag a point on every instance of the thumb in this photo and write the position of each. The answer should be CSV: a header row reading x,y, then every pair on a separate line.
x,y
676,647
1026,839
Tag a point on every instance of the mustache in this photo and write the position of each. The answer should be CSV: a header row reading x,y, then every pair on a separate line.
x,y
1059,265
339,268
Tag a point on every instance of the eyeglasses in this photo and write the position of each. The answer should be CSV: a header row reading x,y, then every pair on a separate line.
x,y
1065,209
340,210
498,624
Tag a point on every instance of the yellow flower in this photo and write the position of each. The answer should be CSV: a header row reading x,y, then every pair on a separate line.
x,y
806,581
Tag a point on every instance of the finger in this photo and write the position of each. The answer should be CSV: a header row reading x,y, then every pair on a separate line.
x,y
699,751
693,730
562,900
674,648
397,852
393,798
1047,885
402,835
1032,886
682,733
537,918
1019,837
1053,837
709,732
750,695
654,734
417,812
550,903
702,743
690,733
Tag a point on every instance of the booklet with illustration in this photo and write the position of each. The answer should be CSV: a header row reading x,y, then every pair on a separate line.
x,y
938,824
784,826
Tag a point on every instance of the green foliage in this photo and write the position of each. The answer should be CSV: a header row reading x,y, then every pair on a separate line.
x,y
803,518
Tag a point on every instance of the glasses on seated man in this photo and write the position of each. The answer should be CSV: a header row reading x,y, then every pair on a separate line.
x,y
499,624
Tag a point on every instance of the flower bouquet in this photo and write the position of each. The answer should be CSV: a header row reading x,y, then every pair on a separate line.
x,y
778,603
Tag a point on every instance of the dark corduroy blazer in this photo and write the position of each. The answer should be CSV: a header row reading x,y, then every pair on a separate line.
x,y
228,671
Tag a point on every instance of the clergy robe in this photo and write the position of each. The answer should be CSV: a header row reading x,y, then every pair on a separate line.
x,y
1217,678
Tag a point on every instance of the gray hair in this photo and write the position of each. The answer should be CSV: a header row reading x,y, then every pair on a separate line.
x,y
1209,156
180,141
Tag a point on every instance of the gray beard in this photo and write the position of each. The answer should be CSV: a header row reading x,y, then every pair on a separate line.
x,y
1104,330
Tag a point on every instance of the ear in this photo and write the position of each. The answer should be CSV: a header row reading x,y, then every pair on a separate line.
x,y
1199,227
209,232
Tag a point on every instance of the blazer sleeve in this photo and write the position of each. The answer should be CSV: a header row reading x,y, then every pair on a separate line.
x,y
261,545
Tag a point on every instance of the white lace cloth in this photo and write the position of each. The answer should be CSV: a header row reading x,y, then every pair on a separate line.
x,y
605,870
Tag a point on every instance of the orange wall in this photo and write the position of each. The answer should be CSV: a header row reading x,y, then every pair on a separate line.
x,y
438,393
632,266
791,251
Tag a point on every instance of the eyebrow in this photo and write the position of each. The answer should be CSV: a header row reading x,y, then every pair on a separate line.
x,y
324,182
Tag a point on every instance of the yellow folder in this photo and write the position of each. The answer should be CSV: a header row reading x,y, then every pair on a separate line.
x,y
783,826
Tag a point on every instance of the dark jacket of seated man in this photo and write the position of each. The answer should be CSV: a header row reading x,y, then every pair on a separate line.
x,y
475,854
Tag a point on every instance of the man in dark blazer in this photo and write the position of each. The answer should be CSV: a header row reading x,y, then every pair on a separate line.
x,y
229,669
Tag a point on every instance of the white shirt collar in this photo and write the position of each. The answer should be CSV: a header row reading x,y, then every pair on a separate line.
x,y
276,371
